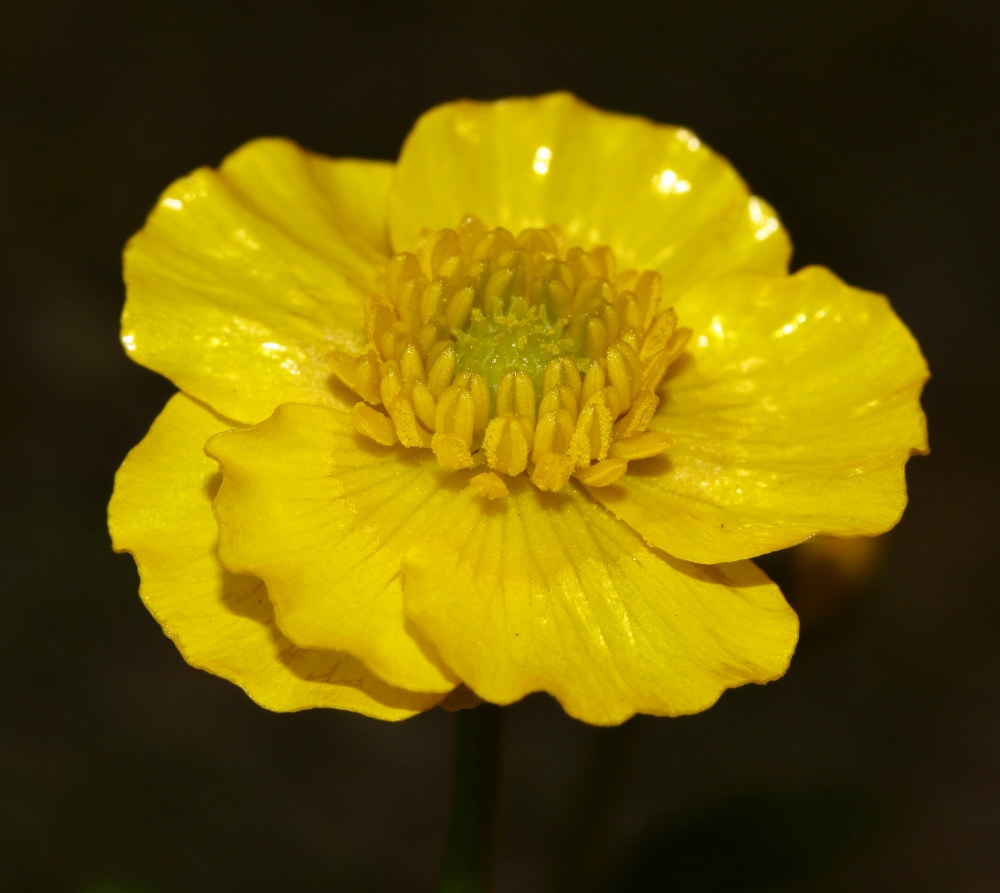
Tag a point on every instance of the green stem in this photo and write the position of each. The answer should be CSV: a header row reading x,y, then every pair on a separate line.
x,y
580,844
469,856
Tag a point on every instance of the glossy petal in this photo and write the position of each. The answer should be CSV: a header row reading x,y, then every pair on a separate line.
x,y
161,512
300,495
658,196
253,272
532,592
794,415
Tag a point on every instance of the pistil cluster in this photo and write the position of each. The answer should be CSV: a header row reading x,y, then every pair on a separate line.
x,y
514,353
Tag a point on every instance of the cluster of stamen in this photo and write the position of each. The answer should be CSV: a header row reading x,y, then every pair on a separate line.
x,y
514,353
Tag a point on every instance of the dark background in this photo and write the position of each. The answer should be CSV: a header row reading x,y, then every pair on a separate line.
x,y
873,765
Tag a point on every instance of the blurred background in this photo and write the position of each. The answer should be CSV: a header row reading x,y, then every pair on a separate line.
x,y
871,125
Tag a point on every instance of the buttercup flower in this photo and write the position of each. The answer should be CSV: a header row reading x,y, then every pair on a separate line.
x,y
511,413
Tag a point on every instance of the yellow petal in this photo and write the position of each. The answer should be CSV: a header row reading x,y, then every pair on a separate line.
x,y
793,415
533,592
252,273
161,512
655,194
549,592
295,509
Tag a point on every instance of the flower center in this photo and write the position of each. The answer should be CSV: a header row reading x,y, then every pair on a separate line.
x,y
516,353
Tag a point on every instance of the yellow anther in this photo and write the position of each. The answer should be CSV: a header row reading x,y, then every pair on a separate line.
x,y
344,366
659,334
677,342
612,321
470,232
557,298
459,306
494,243
628,309
491,301
367,378
633,363
618,372
590,296
638,416
609,399
434,299
648,292
442,370
490,485
654,369
537,240
436,350
562,371
592,434
424,405
410,364
598,264
553,434
427,337
603,473
506,444
408,299
516,394
408,430
451,451
379,318
596,338
440,252
515,258
404,267
631,338
478,274
373,424
391,382
625,281
394,340
560,397
456,414
480,397
593,382
503,287
642,446
552,472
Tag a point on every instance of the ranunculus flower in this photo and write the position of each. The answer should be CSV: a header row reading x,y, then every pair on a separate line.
x,y
573,390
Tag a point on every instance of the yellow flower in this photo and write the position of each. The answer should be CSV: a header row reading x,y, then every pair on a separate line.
x,y
503,484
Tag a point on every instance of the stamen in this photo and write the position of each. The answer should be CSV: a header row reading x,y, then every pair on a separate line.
x,y
514,351
490,485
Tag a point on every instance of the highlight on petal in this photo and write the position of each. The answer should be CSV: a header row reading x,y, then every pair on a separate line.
x,y
300,495
655,194
253,272
534,592
161,512
793,415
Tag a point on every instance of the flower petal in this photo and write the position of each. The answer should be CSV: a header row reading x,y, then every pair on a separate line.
x,y
655,194
295,509
532,592
794,415
161,512
253,272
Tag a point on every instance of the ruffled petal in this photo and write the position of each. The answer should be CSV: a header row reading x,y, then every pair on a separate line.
x,y
535,592
793,415
161,512
295,509
253,272
655,194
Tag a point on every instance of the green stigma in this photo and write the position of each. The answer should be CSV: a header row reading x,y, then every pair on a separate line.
x,y
522,339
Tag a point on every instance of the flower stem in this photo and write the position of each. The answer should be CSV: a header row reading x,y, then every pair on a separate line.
x,y
469,856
